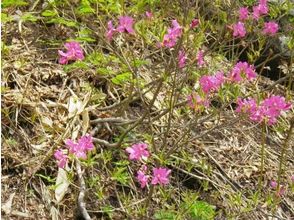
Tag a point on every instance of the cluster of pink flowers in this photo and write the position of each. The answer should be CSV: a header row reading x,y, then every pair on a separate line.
x,y
242,68
140,152
74,52
79,149
260,9
239,29
268,110
270,28
173,33
125,25
211,83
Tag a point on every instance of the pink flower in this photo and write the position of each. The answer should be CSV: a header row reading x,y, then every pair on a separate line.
x,y
170,39
239,29
195,101
269,109
61,157
138,151
292,178
110,30
200,58
194,23
126,24
243,13
85,143
272,107
249,106
149,14
74,52
273,184
260,9
242,68
182,59
211,83
142,177
270,28
160,176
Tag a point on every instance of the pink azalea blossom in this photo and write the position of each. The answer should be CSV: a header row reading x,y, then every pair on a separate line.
x,y
126,24
79,149
269,109
160,176
200,58
74,52
242,68
272,107
260,9
195,101
182,59
270,28
273,184
149,14
142,177
170,39
239,29
194,23
243,13
110,30
61,157
138,151
249,106
211,83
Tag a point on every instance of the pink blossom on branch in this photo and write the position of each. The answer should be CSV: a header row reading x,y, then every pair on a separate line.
x,y
61,157
242,69
110,31
272,108
126,24
243,13
239,29
138,151
160,176
182,59
200,58
211,83
270,28
80,149
74,52
194,23
170,39
142,178
260,9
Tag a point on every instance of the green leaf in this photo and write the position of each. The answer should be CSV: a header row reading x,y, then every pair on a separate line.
x,y
63,21
15,3
121,78
29,17
49,13
164,215
5,18
121,175
201,210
